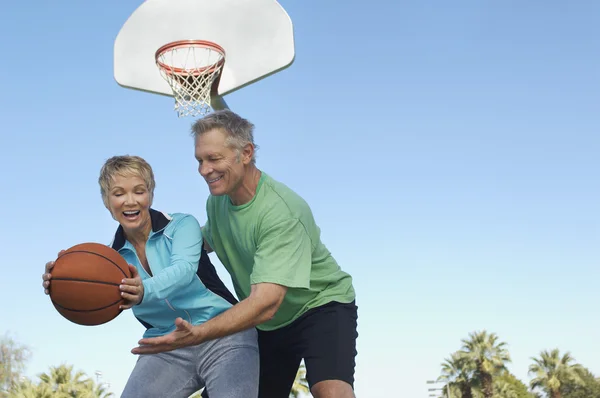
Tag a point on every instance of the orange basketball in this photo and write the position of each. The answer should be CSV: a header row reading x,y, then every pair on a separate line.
x,y
85,283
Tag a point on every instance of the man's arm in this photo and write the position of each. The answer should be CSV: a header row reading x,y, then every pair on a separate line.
x,y
259,307
205,232
282,261
207,247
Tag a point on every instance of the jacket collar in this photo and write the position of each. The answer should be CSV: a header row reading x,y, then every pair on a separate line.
x,y
159,221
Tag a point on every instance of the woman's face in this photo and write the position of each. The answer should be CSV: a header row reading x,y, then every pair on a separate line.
x,y
129,202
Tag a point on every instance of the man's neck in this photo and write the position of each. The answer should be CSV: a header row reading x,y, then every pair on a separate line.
x,y
247,189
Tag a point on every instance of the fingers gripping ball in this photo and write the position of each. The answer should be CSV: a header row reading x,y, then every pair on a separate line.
x,y
85,283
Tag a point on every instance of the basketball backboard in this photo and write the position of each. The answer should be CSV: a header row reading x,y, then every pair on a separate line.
x,y
257,36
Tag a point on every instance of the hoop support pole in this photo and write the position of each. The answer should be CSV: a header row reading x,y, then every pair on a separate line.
x,y
218,103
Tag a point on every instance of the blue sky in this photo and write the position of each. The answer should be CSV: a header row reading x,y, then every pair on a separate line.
x,y
449,151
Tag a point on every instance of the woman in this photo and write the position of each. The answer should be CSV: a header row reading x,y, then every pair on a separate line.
x,y
172,278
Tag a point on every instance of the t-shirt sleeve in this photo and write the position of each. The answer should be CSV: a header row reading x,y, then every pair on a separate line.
x,y
206,231
206,234
185,254
283,255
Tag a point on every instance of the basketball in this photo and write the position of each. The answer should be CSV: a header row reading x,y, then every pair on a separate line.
x,y
85,283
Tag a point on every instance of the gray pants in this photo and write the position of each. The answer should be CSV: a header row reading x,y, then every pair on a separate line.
x,y
228,367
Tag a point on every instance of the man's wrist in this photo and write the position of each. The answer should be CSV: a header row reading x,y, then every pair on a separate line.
x,y
199,334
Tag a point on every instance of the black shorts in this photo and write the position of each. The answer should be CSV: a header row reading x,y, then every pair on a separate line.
x,y
325,337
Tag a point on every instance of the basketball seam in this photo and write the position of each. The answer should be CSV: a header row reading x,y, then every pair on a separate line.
x,y
86,281
90,310
95,254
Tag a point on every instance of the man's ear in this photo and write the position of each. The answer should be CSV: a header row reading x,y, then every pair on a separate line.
x,y
247,153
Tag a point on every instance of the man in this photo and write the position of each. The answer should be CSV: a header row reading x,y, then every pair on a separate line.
x,y
291,288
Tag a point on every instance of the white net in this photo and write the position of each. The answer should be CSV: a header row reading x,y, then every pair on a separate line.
x,y
191,70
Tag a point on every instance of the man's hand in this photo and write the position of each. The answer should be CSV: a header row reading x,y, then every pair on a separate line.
x,y
183,336
259,307
132,289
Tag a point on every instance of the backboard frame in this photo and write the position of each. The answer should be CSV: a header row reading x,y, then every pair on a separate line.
x,y
257,35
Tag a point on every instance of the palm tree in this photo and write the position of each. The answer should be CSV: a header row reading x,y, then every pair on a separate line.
x,y
300,385
64,384
487,356
26,389
456,372
552,371
503,389
59,383
94,391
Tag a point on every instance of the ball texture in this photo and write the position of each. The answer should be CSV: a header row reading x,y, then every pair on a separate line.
x,y
84,287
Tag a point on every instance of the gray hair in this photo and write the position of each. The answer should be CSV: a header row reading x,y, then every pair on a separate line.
x,y
240,132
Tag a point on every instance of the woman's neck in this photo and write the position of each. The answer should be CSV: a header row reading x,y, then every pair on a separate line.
x,y
139,236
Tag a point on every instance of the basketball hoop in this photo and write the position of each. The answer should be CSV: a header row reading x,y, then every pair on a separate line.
x,y
191,68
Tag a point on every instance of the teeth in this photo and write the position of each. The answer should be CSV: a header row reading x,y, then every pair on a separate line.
x,y
130,213
216,179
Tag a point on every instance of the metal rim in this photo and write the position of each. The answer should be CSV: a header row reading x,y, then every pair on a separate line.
x,y
189,43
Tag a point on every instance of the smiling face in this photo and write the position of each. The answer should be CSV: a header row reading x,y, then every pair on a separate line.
x,y
129,202
221,166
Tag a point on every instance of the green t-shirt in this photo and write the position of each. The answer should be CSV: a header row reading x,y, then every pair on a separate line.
x,y
274,239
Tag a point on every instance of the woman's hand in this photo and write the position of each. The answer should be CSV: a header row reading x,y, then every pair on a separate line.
x,y
132,289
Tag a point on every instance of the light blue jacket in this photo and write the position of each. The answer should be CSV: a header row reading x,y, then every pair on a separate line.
x,y
183,282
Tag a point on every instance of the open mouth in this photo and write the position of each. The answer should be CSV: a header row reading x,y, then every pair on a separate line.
x,y
215,180
131,214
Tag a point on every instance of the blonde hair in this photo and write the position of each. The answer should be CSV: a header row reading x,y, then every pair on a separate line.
x,y
128,166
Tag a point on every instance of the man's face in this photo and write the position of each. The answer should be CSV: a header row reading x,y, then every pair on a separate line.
x,y
221,167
